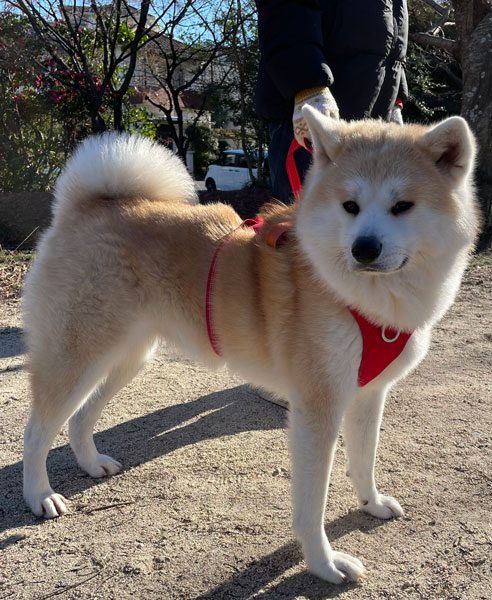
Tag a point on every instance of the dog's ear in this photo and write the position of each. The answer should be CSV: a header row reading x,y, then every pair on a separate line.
x,y
325,133
452,147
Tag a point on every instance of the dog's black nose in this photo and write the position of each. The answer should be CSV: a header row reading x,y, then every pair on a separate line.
x,y
366,249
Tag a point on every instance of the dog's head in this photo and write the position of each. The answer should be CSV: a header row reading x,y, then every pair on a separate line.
x,y
384,205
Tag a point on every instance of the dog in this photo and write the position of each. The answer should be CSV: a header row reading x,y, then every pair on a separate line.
x,y
371,256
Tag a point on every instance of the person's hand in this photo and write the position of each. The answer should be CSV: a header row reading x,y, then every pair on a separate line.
x,y
318,97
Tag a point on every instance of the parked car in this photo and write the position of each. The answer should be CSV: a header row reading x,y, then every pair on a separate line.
x,y
230,172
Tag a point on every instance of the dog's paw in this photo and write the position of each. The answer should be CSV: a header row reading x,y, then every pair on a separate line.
x,y
340,568
383,507
48,505
101,466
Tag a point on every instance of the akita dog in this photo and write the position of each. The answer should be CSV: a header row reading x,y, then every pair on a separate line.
x,y
329,316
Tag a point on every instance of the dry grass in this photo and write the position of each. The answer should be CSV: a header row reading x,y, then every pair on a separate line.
x,y
13,267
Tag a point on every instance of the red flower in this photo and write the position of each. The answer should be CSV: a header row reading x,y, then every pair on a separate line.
x,y
55,96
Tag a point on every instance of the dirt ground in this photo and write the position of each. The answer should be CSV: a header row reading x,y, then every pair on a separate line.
x,y
202,508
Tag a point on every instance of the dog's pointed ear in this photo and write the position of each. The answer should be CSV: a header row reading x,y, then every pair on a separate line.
x,y
452,147
325,133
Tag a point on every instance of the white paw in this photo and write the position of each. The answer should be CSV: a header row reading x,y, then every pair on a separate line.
x,y
48,505
340,568
383,507
101,466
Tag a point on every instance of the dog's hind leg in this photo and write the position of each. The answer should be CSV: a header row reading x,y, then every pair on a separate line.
x,y
361,435
313,437
55,398
83,421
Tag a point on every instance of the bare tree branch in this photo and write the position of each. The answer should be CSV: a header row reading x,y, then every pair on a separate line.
x,y
425,39
436,6
436,27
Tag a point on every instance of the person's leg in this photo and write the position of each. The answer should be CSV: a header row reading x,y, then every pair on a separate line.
x,y
281,136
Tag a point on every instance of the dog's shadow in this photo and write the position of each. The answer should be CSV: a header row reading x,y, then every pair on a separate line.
x,y
12,343
142,439
263,572
147,437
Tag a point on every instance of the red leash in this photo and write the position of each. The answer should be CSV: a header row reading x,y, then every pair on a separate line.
x,y
274,235
290,165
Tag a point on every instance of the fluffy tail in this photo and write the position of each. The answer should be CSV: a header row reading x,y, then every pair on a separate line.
x,y
122,165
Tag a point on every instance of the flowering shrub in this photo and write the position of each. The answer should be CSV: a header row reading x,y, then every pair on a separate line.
x,y
47,104
31,137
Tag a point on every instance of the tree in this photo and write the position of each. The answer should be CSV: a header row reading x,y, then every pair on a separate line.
x,y
236,99
463,30
433,75
246,57
96,46
41,114
205,145
188,64
474,38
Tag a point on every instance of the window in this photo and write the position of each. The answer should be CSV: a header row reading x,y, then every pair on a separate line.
x,y
229,160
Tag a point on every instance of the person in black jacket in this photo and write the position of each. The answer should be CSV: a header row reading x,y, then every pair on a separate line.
x,y
345,57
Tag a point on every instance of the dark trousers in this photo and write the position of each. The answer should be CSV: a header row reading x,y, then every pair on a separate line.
x,y
281,136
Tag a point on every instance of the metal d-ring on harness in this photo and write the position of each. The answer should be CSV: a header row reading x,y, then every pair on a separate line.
x,y
387,339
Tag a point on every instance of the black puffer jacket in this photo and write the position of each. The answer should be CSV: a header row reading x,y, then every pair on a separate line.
x,y
357,47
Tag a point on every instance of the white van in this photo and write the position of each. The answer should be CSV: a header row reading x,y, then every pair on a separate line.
x,y
230,172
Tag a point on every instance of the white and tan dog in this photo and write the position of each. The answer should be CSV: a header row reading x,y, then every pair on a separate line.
x,y
385,225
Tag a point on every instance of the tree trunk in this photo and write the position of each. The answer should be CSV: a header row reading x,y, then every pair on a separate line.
x,y
474,28
118,114
97,123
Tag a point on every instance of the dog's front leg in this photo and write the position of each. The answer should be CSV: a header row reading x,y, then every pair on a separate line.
x,y
313,439
361,435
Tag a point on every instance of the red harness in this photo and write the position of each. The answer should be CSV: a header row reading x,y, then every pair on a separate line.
x,y
380,345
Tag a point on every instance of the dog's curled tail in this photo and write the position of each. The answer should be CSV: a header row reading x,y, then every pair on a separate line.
x,y
122,165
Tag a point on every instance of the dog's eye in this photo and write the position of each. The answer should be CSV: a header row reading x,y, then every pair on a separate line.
x,y
401,207
351,207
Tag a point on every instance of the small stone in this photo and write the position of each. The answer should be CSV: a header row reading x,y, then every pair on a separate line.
x,y
279,471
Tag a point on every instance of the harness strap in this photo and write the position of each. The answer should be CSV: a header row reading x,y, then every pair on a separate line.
x,y
274,236
256,225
